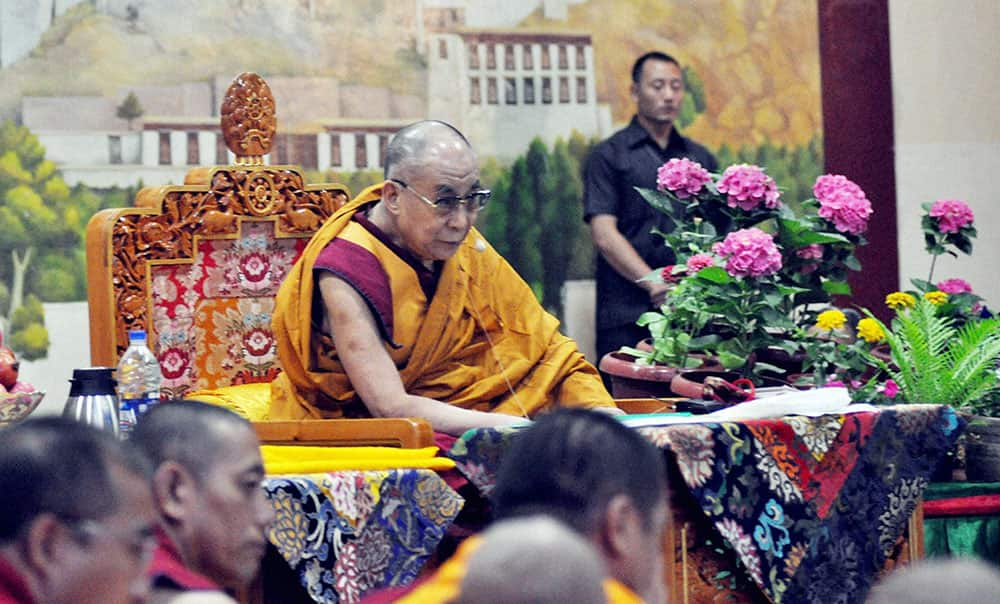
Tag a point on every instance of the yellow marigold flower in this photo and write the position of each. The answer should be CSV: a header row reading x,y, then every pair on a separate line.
x,y
936,297
870,331
898,300
830,319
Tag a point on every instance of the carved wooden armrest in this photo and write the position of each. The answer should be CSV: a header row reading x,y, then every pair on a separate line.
x,y
405,433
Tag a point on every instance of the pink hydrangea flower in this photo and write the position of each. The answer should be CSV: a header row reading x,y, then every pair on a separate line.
x,y
749,253
951,214
747,187
682,177
955,286
699,261
843,203
810,252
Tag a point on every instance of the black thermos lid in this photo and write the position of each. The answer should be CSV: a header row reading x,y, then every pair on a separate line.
x,y
92,380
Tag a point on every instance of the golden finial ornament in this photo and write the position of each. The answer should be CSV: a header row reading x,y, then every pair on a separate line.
x,y
248,119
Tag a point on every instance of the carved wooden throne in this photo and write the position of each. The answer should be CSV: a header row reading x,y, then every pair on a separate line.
x,y
198,265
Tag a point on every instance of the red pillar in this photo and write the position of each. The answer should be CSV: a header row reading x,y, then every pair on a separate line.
x,y
858,139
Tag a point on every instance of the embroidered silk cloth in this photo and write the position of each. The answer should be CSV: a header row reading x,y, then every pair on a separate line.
x,y
812,506
347,533
212,316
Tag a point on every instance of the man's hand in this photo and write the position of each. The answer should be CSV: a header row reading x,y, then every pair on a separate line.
x,y
657,292
622,257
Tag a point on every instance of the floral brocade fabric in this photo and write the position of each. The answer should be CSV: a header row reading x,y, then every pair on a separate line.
x,y
212,316
813,506
347,533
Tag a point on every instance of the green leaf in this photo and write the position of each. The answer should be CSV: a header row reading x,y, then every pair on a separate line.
x,y
658,199
791,290
758,366
837,288
715,274
732,361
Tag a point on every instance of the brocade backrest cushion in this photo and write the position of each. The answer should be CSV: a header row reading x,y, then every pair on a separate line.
x,y
212,316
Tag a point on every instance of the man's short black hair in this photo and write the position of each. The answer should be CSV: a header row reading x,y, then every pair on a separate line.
x,y
411,139
62,467
184,431
571,463
656,56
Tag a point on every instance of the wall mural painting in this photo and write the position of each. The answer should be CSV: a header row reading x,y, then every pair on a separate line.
x,y
101,97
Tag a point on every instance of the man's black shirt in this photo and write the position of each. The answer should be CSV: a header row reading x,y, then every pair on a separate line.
x,y
628,159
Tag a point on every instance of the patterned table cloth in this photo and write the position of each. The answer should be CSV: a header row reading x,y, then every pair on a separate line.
x,y
812,506
346,533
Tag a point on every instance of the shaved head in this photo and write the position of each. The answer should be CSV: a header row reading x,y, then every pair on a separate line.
x,y
411,146
534,559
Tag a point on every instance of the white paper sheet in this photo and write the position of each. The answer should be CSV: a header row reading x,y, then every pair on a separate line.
x,y
812,403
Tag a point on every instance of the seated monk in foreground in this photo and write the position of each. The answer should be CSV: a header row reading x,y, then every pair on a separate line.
x,y
398,307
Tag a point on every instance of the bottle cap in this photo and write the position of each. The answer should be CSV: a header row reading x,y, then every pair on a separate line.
x,y
137,335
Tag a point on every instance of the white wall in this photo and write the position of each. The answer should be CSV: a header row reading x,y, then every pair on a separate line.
x,y
69,349
946,95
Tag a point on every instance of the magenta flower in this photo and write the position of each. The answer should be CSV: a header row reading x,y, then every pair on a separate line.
x,y
955,286
952,215
667,274
835,384
810,252
682,177
843,203
749,253
699,261
747,187
890,388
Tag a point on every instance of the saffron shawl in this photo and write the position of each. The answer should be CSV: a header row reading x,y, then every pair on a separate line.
x,y
451,358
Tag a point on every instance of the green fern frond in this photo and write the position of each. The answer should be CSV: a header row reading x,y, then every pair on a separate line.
x,y
937,362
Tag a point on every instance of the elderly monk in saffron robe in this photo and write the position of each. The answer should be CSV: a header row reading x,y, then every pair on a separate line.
x,y
398,307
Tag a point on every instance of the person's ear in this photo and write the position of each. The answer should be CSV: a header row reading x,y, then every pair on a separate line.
x,y
390,195
633,91
621,521
174,490
45,538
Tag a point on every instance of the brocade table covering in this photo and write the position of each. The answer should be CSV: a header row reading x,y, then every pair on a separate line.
x,y
347,533
812,506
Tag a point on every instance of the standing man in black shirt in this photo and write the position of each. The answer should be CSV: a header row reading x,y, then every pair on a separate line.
x,y
621,222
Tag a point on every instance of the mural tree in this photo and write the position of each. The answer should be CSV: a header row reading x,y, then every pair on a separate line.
x,y
534,219
130,109
38,218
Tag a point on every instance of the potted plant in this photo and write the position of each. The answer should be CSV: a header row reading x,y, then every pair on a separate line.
x,y
944,344
750,268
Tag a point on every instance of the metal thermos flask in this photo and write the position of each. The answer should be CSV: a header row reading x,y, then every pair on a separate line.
x,y
92,399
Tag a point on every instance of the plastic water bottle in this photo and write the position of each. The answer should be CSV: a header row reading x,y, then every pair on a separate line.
x,y
139,379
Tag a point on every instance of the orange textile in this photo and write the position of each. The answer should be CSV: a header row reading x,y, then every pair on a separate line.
x,y
481,335
445,584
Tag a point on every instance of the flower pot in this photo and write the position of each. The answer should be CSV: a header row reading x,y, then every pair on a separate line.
x,y
630,379
635,380
982,449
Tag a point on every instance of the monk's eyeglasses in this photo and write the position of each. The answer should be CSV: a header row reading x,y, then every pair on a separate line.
x,y
445,206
